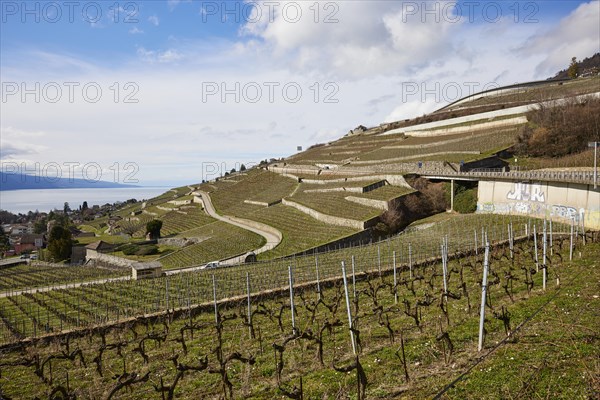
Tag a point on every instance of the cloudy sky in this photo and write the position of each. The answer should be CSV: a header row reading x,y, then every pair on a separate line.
x,y
164,91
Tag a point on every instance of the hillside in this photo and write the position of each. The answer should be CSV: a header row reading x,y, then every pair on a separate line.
x,y
368,313
350,190
587,65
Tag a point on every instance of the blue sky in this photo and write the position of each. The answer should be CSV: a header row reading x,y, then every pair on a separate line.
x,y
190,87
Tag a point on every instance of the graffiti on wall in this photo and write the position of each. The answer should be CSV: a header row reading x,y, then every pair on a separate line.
x,y
566,212
559,202
555,210
526,192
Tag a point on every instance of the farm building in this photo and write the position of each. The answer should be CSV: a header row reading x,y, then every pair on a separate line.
x,y
93,249
147,270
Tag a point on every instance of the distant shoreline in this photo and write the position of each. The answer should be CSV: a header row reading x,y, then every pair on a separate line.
x,y
25,200
83,187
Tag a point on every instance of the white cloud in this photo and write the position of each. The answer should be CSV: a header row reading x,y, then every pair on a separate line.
x,y
372,56
172,4
577,35
153,19
135,31
15,144
376,37
156,56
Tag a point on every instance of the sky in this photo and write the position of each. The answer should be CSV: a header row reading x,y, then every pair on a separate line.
x,y
172,92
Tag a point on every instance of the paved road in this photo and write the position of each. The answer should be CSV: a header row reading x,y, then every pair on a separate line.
x,y
272,235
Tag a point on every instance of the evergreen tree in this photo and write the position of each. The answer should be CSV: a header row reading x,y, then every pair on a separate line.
x,y
4,242
60,243
573,70
153,228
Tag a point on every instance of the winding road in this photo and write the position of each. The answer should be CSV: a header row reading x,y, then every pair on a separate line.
x,y
272,235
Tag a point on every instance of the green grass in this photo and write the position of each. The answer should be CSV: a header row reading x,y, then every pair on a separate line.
x,y
116,239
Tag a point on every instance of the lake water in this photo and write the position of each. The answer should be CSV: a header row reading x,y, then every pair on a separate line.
x,y
22,201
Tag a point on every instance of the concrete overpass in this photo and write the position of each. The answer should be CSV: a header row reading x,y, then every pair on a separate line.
x,y
582,177
558,195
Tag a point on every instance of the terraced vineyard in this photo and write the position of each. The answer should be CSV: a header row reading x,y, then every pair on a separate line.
x,y
335,204
385,147
300,232
414,327
32,276
548,91
481,143
221,241
257,185
186,218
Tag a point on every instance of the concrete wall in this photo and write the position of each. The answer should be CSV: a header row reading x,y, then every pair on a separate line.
x,y
109,259
413,157
396,180
356,239
329,219
262,203
559,201
380,204
78,254
485,115
471,128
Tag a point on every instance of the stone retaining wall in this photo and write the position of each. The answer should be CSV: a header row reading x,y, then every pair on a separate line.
x,y
262,203
337,189
395,180
180,242
414,157
470,128
330,219
180,202
109,259
380,204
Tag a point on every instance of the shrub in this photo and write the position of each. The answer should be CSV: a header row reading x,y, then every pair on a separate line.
x,y
465,198
129,249
146,250
465,202
429,200
561,130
